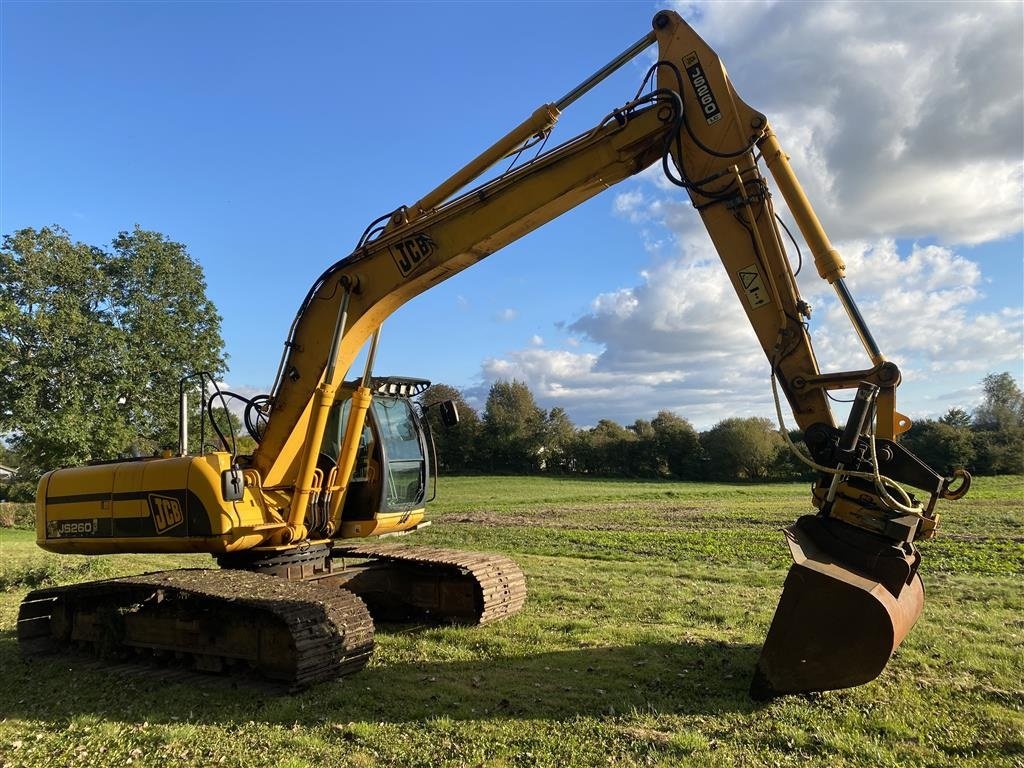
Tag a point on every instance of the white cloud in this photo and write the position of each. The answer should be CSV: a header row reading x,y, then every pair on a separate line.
x,y
633,204
679,339
919,306
537,341
506,315
902,119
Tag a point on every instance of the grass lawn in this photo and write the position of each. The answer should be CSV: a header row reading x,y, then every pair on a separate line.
x,y
648,603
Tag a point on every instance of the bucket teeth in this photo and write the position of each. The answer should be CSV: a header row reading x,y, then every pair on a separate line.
x,y
835,626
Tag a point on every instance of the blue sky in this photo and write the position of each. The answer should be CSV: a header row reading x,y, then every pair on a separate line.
x,y
266,136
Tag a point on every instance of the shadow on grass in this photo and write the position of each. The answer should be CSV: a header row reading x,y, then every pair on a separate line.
x,y
664,678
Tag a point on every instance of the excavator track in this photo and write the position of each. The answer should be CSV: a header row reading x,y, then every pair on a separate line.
x,y
293,633
446,584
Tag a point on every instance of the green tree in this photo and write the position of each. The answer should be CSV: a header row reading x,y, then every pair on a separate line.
x,y
8,457
457,444
513,429
956,417
788,466
641,453
160,307
941,445
999,453
677,444
59,353
92,344
9,489
999,426
606,449
559,434
1002,406
742,448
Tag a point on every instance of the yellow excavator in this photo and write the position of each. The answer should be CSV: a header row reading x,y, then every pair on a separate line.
x,y
338,461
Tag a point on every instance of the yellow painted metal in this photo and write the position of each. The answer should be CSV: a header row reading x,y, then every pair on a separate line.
x,y
176,504
717,153
461,233
829,263
383,523
321,407
93,486
535,126
437,237
885,414
127,497
361,399
903,422
129,477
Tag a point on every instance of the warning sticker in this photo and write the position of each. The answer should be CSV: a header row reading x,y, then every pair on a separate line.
x,y
753,286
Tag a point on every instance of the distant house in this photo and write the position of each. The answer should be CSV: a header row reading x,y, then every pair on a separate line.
x,y
6,473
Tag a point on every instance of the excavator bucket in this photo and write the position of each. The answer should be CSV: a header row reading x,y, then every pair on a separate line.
x,y
836,626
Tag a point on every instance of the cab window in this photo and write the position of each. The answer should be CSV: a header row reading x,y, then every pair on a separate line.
x,y
405,465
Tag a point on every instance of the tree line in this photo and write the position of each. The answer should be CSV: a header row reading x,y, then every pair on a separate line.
x,y
514,435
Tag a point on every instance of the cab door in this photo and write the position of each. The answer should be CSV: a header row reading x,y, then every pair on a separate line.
x,y
404,468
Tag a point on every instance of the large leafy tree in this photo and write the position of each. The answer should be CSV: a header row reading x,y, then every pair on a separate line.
x,y
605,449
93,342
742,449
956,417
558,438
1002,406
456,444
159,306
640,456
942,445
513,429
677,445
999,426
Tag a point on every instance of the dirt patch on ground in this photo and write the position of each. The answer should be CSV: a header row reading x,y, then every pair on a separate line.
x,y
542,519
683,518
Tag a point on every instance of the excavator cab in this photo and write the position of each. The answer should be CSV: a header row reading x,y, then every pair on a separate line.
x,y
393,469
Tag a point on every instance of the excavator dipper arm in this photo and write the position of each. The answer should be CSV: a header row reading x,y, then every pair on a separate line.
x,y
853,591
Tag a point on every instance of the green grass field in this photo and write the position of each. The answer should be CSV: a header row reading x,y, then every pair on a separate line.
x,y
648,603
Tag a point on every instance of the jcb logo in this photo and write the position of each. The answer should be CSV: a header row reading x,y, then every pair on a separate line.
x,y
166,512
412,251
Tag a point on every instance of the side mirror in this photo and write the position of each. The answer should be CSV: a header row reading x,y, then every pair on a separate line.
x,y
449,413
